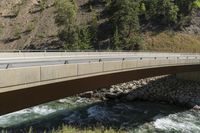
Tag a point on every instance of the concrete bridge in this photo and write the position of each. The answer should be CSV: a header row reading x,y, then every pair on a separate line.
x,y
31,78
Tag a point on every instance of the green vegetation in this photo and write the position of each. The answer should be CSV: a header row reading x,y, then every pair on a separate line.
x,y
174,14
42,4
15,11
127,16
16,8
74,36
1,30
66,129
30,27
17,31
41,35
197,3
126,20
66,12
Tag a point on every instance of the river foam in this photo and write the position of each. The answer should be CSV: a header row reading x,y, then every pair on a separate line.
x,y
24,115
184,122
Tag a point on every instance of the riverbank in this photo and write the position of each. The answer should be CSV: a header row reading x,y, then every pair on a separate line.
x,y
162,89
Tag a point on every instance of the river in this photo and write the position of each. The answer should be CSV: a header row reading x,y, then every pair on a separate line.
x,y
136,117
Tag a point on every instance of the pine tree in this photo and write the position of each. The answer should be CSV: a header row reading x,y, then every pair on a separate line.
x,y
116,40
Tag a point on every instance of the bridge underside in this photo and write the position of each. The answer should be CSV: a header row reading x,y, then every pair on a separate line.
x,y
16,100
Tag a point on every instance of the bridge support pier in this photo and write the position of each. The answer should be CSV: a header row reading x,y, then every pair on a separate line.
x,y
193,76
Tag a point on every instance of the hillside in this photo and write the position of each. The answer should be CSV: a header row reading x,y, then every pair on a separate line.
x,y
26,24
32,24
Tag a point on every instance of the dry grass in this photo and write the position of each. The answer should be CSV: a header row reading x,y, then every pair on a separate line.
x,y
66,129
172,42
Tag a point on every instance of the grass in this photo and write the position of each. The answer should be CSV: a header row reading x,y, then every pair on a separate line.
x,y
17,31
66,129
30,27
172,42
197,3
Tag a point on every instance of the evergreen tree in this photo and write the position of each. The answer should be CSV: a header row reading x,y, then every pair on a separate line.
x,y
116,40
84,41
125,16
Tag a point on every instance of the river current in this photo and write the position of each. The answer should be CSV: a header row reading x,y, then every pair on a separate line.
x,y
136,117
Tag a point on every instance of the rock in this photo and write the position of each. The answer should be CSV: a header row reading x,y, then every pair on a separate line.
x,y
130,85
196,107
146,112
104,90
118,90
166,89
98,95
191,105
131,97
133,87
144,83
126,91
103,99
111,95
111,90
86,94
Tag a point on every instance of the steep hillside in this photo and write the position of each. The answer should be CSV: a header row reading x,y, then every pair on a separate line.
x,y
31,24
25,23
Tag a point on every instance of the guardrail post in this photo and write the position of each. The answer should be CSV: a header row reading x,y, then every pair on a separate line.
x,y
7,66
66,62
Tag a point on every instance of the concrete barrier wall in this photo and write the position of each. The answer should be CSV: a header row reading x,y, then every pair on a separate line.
x,y
143,63
171,62
129,64
153,62
19,76
112,66
90,68
58,71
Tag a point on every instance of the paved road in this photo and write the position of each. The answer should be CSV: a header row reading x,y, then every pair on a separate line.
x,y
14,62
